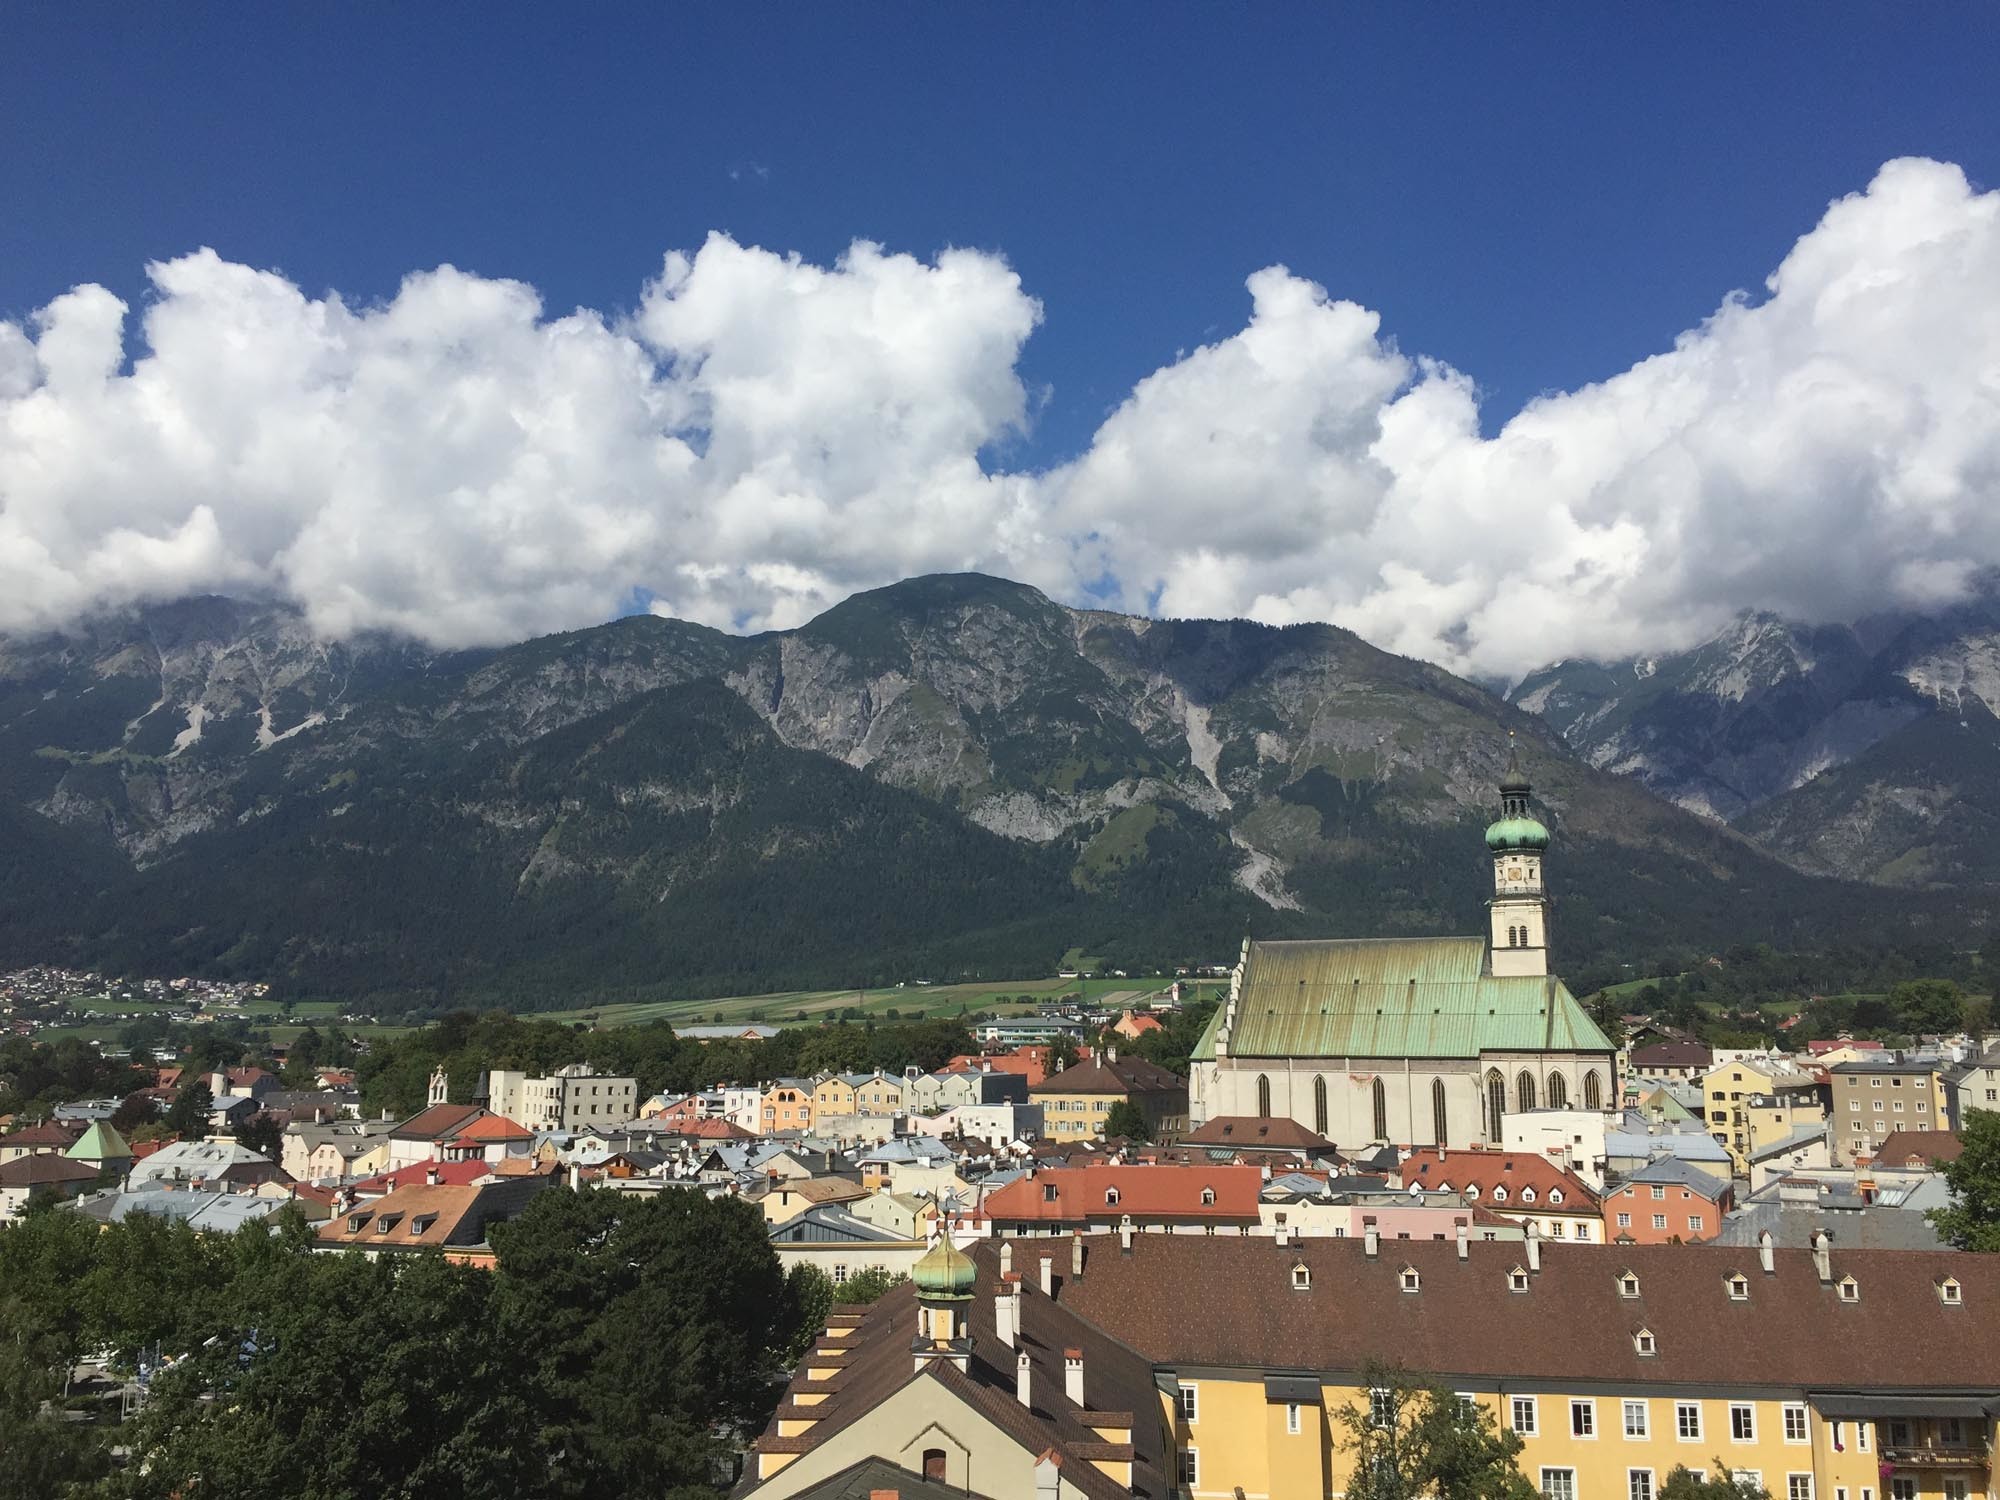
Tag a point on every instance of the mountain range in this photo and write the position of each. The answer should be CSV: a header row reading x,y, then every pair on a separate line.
x,y
950,776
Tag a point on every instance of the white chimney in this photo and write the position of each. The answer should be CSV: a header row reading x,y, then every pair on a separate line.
x,y
1006,1256
1765,1255
1076,1256
1023,1375
1284,1236
1534,1247
1003,1314
1048,1276
1464,1243
431,1176
1073,1376
1822,1251
1371,1241
1124,1234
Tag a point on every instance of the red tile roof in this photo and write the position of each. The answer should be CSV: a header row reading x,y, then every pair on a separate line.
x,y
492,1127
1918,1147
713,1128
1486,1170
451,1173
1144,1192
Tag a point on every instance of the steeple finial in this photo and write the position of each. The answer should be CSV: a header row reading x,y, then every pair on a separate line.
x,y
1514,779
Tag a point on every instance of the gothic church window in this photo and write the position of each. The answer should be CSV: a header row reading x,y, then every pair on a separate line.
x,y
1381,1096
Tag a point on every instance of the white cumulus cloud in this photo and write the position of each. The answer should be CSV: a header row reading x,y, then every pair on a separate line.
x,y
760,436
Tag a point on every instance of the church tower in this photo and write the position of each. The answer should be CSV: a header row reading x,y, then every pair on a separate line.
x,y
1520,931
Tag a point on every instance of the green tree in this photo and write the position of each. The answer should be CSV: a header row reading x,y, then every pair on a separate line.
x,y
261,1133
868,1286
1412,1438
1127,1120
1683,1483
1062,1053
1972,1219
1928,1005
188,1116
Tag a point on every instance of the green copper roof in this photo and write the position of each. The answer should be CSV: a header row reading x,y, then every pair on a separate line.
x,y
99,1143
1517,833
944,1271
1204,1050
1426,997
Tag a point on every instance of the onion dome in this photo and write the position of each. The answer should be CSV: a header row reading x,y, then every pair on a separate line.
x,y
945,1271
1516,833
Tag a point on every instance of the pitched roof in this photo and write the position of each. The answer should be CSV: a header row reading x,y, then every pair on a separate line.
x,y
100,1143
1107,1073
437,1121
414,1217
47,1135
1671,1054
452,1173
1487,1170
44,1169
1253,1133
487,1126
1079,1193
1572,1323
1925,1147
1397,997
1672,1169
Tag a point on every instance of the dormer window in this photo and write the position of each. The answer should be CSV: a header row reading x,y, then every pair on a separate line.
x,y
1739,1287
1556,1196
1628,1285
1949,1291
1517,1280
1500,1195
1049,1191
1472,1193
1444,1187
1527,1195
1850,1289
355,1221
1302,1279
1411,1281
1207,1196
1110,1196
1645,1343
421,1223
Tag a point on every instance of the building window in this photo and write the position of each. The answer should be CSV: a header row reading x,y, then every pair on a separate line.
x,y
1302,1279
1795,1424
1379,1094
1739,1287
1694,1223
1949,1291
934,1464
1659,1193
1583,1419
1523,1413
1319,1105
1635,1419
1188,1407
1742,1423
1687,1421
1496,1102
1593,1090
1517,1280
1659,1221
1190,1468
1901,1488
1292,1418
1850,1289
1381,1408
1524,1090
1559,1484
1624,1221
1639,1484
1558,1091
1411,1282
1645,1343
1207,1196
1263,1096
1438,1131
839,1274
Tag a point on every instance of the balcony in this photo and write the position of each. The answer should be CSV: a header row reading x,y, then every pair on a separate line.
x,y
1935,1456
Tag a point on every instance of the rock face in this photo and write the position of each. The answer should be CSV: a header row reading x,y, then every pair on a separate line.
x,y
1859,752
953,770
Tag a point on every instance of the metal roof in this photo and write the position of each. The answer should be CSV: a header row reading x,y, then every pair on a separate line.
x,y
1399,997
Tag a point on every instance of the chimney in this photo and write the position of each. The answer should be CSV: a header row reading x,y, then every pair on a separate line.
x,y
1006,1256
1371,1240
1023,1374
1124,1234
1464,1243
1822,1249
1003,1314
1284,1236
431,1176
1073,1376
1048,1476
1765,1257
1534,1247
1048,1276
1076,1256
575,1177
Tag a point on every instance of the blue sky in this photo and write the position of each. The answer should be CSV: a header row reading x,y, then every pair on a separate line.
x,y
1539,197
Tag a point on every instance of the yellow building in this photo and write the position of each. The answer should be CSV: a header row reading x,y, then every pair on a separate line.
x,y
1728,1089
1077,1101
1174,1365
835,1096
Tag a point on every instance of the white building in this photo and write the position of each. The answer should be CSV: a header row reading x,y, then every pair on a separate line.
x,y
571,1098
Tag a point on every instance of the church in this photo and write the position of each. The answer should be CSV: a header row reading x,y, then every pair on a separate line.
x,y
1411,1041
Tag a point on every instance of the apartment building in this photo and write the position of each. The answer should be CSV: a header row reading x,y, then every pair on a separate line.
x,y
1873,1099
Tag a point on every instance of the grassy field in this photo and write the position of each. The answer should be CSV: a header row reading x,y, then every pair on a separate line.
x,y
912,1002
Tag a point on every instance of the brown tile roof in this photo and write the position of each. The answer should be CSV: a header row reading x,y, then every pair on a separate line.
x,y
1572,1323
437,1122
1145,1192
44,1169
1487,1170
1670,1055
1116,1380
1249,1132
1108,1073
414,1217
1922,1147
53,1135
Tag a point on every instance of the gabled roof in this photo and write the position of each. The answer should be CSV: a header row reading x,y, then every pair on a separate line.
x,y
1671,1055
1254,1133
453,1173
1397,997
1108,1073
1673,1170
49,1135
437,1122
1486,1170
44,1169
1919,1147
1144,1192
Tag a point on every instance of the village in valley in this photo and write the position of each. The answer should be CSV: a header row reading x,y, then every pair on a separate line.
x,y
1158,1248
